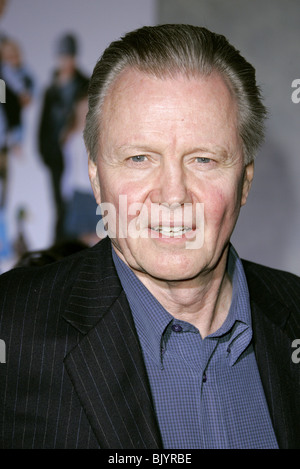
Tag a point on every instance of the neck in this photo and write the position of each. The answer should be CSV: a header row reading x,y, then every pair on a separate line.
x,y
203,301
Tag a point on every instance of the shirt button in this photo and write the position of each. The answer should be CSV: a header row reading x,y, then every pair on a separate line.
x,y
204,378
176,328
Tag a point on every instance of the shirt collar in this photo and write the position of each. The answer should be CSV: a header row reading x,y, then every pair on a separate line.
x,y
240,302
151,318
238,321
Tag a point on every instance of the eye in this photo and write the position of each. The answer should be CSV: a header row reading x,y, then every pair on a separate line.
x,y
202,160
138,158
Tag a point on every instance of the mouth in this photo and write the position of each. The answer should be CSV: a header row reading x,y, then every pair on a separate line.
x,y
171,231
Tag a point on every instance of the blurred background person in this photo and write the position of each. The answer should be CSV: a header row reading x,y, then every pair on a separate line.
x,y
20,81
66,84
80,206
19,90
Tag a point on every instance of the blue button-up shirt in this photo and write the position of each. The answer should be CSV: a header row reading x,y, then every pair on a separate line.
x,y
207,393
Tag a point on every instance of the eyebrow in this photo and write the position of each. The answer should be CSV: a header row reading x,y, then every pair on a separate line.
x,y
134,147
217,151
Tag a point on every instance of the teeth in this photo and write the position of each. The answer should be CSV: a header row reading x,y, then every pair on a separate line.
x,y
172,231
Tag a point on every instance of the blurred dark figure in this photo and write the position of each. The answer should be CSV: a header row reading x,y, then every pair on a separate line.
x,y
19,91
20,82
19,85
3,4
67,82
20,244
54,253
80,205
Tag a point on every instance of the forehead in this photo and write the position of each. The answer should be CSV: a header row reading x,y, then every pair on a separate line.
x,y
135,85
199,105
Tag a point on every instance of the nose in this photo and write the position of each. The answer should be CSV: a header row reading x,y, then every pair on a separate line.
x,y
171,185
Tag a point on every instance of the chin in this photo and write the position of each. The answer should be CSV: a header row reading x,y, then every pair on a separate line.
x,y
164,263
170,268
174,275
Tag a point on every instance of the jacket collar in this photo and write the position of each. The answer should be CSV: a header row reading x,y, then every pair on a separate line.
x,y
264,297
106,367
272,336
95,288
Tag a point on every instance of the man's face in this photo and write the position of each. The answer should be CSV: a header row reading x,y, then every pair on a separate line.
x,y
170,143
66,63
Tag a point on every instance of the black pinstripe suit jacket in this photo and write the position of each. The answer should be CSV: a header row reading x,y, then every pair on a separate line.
x,y
74,376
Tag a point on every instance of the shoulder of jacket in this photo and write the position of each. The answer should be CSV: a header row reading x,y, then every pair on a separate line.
x,y
259,271
273,289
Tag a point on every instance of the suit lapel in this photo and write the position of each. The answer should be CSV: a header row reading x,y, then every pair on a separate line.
x,y
272,346
106,367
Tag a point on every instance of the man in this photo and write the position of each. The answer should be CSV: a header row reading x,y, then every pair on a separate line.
x,y
159,336
68,82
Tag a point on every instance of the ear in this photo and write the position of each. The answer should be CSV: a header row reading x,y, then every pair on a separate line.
x,y
94,179
247,182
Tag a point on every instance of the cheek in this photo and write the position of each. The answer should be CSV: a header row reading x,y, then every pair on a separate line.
x,y
115,183
220,207
127,199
